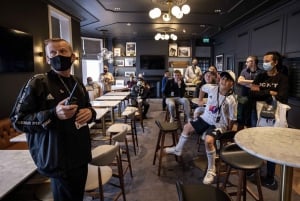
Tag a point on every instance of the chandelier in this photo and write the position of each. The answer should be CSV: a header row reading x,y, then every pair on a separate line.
x,y
173,9
165,36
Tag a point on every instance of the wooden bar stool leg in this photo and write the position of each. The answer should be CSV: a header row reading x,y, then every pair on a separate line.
x,y
161,152
240,186
157,147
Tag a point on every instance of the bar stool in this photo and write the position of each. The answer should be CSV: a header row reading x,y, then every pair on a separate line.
x,y
177,115
121,138
119,127
200,192
164,128
242,161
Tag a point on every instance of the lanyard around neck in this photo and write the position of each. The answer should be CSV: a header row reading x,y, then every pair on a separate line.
x,y
219,106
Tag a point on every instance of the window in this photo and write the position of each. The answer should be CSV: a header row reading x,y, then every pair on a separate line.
x,y
60,26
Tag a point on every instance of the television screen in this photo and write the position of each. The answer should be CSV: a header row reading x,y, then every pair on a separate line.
x,y
16,51
152,62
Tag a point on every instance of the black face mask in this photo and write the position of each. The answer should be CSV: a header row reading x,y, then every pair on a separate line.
x,y
61,63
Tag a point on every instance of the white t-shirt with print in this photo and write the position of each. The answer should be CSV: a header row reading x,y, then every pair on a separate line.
x,y
227,105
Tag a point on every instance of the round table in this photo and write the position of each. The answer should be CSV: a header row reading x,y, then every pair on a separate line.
x,y
279,145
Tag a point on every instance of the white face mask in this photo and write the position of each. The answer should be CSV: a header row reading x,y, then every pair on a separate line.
x,y
267,66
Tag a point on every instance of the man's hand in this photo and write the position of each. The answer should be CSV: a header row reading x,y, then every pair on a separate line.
x,y
255,87
83,116
65,111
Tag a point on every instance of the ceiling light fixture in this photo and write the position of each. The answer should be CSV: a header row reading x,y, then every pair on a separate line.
x,y
173,9
165,36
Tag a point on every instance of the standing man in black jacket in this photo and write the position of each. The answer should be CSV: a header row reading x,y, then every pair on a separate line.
x,y
55,124
174,93
269,86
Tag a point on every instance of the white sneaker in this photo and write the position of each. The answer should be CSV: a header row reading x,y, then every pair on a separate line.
x,y
171,119
172,150
209,177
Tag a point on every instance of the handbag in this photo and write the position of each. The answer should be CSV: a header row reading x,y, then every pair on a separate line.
x,y
268,112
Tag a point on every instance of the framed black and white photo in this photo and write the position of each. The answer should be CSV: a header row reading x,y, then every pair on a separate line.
x,y
131,49
173,50
128,73
184,51
119,62
129,62
219,62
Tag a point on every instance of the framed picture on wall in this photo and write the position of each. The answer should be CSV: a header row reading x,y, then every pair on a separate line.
x,y
219,62
129,61
184,51
131,49
173,50
119,62
117,52
229,62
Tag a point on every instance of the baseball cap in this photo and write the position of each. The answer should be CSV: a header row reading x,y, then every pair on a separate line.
x,y
228,74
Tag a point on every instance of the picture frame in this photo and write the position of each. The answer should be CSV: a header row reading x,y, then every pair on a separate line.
x,y
184,51
131,49
119,62
229,62
130,62
128,73
219,62
173,50
117,52
180,69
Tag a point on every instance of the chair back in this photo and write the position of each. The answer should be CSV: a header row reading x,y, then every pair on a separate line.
x,y
120,137
104,154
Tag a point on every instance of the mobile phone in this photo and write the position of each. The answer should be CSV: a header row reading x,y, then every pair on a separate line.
x,y
71,99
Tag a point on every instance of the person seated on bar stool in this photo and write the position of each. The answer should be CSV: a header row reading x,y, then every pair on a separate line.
x,y
218,117
141,91
174,93
209,77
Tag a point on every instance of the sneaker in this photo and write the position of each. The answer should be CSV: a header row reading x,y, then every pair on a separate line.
x,y
171,119
270,183
209,177
172,150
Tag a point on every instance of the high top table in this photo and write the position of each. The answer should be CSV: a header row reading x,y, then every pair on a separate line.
x,y
278,145
15,167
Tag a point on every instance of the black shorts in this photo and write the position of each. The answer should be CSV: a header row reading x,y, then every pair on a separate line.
x,y
201,126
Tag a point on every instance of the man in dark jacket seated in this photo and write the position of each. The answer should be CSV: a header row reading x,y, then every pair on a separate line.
x,y
141,91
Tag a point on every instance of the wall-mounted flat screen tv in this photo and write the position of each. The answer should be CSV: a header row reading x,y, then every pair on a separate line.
x,y
152,62
16,51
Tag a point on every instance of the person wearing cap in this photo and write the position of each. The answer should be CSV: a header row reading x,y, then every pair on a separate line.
x,y
218,116
107,79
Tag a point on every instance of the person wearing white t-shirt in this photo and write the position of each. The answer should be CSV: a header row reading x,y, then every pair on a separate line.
x,y
218,117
